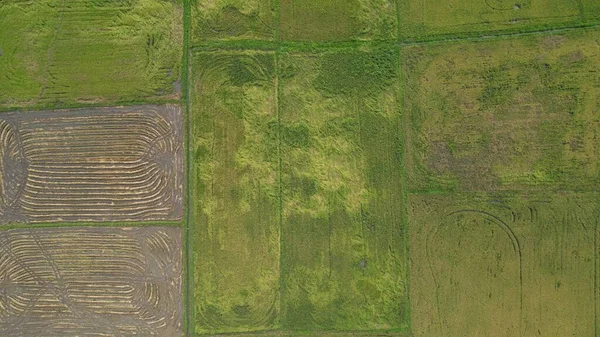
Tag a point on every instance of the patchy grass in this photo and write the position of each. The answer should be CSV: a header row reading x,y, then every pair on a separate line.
x,y
233,19
62,53
492,265
517,113
343,252
236,188
335,20
433,19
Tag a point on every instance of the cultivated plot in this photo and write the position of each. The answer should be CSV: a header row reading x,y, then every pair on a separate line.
x,y
343,249
56,52
503,266
422,19
236,192
233,19
84,281
103,164
337,20
519,113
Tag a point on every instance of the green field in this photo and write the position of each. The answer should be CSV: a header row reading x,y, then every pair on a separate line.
x,y
518,113
235,178
422,19
80,52
233,19
343,251
491,265
358,168
335,20
324,248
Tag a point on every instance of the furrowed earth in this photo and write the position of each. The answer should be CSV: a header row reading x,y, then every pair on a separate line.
x,y
101,164
82,281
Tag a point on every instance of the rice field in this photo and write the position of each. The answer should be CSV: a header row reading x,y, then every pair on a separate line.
x,y
58,53
360,168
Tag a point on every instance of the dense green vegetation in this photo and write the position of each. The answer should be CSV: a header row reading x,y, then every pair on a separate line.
x,y
427,19
236,185
233,19
339,253
64,53
343,252
335,20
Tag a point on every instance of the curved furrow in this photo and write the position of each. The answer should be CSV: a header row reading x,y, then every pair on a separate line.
x,y
149,196
89,163
154,187
107,278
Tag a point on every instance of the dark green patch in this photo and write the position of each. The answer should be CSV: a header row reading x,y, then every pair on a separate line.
x,y
357,73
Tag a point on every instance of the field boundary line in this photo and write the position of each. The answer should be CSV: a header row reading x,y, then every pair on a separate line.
x,y
398,20
4,109
403,124
280,188
277,25
245,45
187,293
316,333
498,35
596,281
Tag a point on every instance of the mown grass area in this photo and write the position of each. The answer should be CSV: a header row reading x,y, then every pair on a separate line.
x,y
422,20
343,251
233,19
235,186
503,265
57,53
337,20
510,114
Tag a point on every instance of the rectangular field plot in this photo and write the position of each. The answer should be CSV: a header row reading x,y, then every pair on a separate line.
x,y
518,113
56,52
337,20
102,164
234,19
428,19
503,266
235,186
85,281
343,243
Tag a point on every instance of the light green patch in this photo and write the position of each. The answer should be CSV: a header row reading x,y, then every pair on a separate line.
x,y
519,113
342,243
426,19
235,182
233,19
335,20
57,53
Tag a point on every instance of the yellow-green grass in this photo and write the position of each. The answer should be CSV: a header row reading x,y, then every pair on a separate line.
x,y
335,20
503,266
235,185
70,52
422,19
233,19
512,114
343,251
